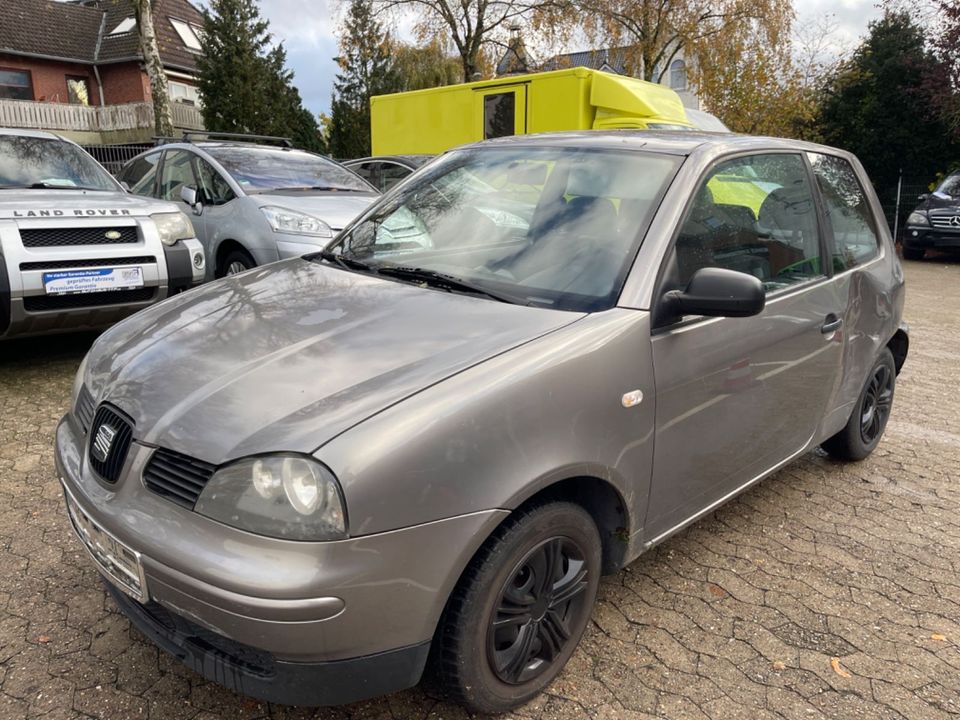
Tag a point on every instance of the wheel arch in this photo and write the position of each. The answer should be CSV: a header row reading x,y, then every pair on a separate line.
x,y
227,246
899,344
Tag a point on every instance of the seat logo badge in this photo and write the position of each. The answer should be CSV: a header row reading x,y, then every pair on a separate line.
x,y
112,235
632,398
103,442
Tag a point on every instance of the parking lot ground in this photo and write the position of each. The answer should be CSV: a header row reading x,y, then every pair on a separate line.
x,y
828,590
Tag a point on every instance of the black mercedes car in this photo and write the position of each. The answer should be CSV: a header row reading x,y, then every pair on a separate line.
x,y
935,223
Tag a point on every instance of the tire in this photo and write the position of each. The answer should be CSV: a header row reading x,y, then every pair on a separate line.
x,y
913,253
235,261
492,670
864,429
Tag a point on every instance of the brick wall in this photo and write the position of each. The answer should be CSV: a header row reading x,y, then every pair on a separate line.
x,y
124,83
49,77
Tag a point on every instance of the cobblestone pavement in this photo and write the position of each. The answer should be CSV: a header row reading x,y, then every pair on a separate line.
x,y
827,591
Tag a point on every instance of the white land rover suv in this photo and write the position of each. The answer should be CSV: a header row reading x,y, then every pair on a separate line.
x,y
76,250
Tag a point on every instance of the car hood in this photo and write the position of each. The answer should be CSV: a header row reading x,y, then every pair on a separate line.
x,y
336,209
40,203
287,356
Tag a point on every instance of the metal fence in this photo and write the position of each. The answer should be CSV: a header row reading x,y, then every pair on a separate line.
x,y
909,190
112,157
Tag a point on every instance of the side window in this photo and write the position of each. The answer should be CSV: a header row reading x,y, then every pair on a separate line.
x,y
141,174
176,173
756,215
391,174
499,113
215,189
364,170
854,232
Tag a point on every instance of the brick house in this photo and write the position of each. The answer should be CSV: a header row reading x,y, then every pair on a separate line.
x,y
86,52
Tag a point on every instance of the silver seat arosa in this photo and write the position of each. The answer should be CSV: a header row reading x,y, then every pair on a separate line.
x,y
517,371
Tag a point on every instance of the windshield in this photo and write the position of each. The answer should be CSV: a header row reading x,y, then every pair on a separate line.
x,y
48,163
259,170
555,227
950,186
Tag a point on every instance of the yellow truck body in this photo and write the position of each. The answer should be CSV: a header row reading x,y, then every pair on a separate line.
x,y
434,120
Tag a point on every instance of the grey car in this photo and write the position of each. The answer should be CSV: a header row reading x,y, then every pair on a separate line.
x,y
251,204
434,436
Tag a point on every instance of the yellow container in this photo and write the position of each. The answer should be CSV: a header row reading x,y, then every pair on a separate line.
x,y
431,121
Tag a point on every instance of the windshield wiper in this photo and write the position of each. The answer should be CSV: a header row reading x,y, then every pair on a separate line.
x,y
443,281
343,261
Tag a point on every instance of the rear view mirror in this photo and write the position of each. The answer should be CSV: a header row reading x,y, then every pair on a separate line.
x,y
527,173
718,292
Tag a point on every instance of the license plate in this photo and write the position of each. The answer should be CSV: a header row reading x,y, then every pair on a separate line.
x,y
119,563
69,282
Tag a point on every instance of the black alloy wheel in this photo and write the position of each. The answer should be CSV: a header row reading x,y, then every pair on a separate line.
x,y
545,596
877,401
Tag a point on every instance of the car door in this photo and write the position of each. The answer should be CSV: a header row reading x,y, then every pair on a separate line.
x,y
213,224
736,397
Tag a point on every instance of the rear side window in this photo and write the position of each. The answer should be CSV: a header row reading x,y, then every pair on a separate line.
x,y
755,215
141,174
854,231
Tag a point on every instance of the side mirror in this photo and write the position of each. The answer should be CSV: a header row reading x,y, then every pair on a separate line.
x,y
718,292
923,197
124,185
191,197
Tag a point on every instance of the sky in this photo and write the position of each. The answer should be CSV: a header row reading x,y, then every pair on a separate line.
x,y
307,29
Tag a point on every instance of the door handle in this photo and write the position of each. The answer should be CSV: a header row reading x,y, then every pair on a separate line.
x,y
831,324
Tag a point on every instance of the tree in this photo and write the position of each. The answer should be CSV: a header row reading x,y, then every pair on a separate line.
x,y
243,79
159,92
878,105
427,66
654,32
945,89
365,70
472,26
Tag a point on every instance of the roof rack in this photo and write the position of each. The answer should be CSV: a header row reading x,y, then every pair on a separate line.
x,y
189,136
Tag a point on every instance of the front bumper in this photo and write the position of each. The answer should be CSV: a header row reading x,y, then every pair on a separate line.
x,y
292,246
931,237
253,672
299,602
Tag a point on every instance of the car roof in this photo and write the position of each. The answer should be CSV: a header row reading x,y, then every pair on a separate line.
x,y
19,132
674,142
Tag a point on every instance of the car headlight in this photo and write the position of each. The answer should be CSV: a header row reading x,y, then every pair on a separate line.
x,y
298,223
172,227
917,218
292,497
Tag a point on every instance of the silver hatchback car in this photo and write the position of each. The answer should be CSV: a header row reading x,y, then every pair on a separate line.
x,y
519,370
251,204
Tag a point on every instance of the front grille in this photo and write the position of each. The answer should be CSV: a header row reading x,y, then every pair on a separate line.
x,y
109,467
52,237
96,262
84,408
39,303
179,478
949,222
